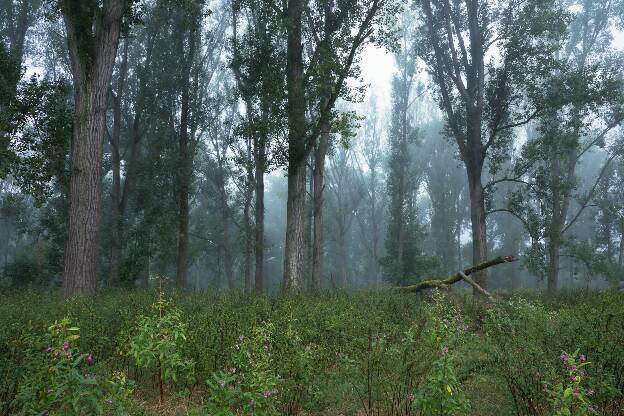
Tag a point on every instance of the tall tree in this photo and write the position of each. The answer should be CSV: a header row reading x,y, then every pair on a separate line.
x,y
352,23
482,100
92,36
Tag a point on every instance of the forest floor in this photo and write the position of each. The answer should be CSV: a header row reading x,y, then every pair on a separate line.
x,y
366,353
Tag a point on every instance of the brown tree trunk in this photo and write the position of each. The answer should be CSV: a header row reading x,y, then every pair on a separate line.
x,y
92,59
260,156
319,185
116,170
185,167
477,222
249,191
294,250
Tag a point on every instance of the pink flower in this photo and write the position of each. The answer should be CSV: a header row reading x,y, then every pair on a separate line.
x,y
65,346
564,357
445,350
56,354
267,394
89,358
70,356
582,358
48,349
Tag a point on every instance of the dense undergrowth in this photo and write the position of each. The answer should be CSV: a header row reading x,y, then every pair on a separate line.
x,y
374,353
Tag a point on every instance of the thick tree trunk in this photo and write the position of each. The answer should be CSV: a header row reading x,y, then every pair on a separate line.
x,y
319,185
294,250
92,67
477,222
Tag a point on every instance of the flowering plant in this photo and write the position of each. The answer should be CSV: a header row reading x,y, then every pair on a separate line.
x,y
441,393
250,385
569,397
60,380
157,342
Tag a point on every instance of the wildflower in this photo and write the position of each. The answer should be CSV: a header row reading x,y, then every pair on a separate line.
x,y
233,370
572,367
267,394
445,350
70,356
582,358
573,379
48,349
564,357
89,358
65,346
109,402
56,354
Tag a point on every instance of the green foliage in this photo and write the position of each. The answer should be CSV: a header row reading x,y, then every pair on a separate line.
x,y
59,379
366,353
441,394
568,396
156,342
250,385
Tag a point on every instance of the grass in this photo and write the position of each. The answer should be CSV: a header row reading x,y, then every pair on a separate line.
x,y
363,353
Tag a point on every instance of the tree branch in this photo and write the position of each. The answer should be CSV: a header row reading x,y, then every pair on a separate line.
x,y
437,283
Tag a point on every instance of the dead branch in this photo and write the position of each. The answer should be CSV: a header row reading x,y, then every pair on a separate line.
x,y
441,283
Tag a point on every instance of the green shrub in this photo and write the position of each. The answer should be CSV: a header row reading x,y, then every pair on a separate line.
x,y
59,380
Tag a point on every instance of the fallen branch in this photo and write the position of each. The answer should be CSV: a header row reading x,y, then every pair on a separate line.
x,y
477,287
441,283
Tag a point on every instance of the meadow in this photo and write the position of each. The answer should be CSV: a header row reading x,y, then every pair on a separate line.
x,y
365,353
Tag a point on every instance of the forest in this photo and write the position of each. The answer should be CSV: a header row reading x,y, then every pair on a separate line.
x,y
312,207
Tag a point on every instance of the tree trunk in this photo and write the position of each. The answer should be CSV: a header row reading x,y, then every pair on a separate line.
x,y
477,221
249,190
259,155
115,140
92,67
185,166
294,250
319,185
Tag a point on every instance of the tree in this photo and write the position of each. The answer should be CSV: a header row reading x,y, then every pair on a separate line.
x,y
92,37
483,100
583,105
352,25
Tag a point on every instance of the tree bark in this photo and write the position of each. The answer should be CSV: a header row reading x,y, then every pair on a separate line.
x,y
92,57
478,225
260,167
320,153
440,283
115,139
294,250
185,165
